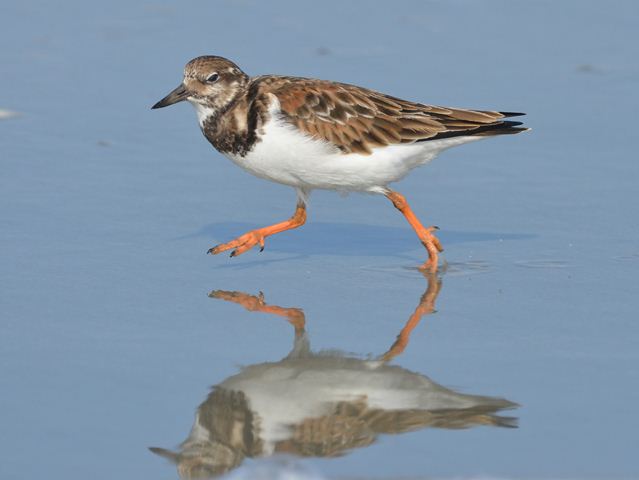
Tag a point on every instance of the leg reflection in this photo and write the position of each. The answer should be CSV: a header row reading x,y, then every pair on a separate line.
x,y
256,303
426,306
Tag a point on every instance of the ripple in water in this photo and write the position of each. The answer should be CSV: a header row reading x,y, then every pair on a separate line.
x,y
542,264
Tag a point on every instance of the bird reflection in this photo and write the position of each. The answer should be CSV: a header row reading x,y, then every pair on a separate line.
x,y
321,404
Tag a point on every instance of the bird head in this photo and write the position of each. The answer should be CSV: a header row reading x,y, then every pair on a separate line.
x,y
209,82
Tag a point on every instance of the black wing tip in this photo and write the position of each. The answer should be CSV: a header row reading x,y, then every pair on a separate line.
x,y
512,114
501,128
509,123
505,127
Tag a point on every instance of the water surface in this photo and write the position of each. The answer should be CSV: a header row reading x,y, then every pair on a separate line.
x,y
110,341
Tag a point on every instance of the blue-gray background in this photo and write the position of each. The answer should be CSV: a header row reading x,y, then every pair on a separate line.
x,y
109,341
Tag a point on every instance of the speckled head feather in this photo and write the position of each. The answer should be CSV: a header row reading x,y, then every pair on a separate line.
x,y
201,67
213,81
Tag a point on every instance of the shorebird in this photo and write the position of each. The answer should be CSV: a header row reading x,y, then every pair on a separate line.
x,y
317,134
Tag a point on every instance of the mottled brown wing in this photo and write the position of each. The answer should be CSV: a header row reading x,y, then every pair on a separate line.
x,y
356,119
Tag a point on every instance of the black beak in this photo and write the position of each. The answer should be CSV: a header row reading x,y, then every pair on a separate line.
x,y
177,95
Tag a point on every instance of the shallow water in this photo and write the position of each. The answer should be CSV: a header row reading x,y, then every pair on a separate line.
x,y
110,341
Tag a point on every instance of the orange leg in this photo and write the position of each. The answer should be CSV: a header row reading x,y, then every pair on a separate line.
x,y
426,306
425,234
253,303
247,241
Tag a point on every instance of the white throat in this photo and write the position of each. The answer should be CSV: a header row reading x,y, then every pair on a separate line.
x,y
202,111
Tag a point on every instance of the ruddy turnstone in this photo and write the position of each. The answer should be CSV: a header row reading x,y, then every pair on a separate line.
x,y
317,134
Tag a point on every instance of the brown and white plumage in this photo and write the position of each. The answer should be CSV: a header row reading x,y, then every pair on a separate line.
x,y
358,120
317,134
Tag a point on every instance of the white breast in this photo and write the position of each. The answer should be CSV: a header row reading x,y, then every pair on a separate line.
x,y
286,155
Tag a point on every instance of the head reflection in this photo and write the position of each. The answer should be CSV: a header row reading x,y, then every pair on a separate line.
x,y
321,404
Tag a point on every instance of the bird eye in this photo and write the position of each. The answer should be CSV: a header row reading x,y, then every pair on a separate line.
x,y
212,78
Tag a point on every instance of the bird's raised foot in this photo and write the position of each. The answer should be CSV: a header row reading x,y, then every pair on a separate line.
x,y
241,244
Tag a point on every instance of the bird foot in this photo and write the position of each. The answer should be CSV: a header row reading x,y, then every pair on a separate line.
x,y
433,245
241,244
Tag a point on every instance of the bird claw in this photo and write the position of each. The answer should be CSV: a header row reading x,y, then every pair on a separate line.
x,y
241,244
